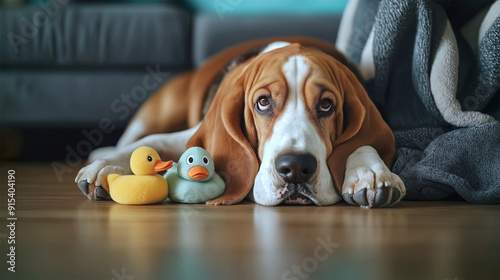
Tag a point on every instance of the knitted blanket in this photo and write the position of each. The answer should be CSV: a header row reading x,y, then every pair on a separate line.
x,y
433,70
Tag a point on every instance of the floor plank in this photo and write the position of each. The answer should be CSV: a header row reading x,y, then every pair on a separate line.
x,y
61,235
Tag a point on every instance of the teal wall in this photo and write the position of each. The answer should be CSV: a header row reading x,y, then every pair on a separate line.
x,y
268,6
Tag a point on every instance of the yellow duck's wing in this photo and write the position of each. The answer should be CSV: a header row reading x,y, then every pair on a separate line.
x,y
112,178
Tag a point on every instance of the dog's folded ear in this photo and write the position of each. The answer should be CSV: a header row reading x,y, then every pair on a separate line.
x,y
221,135
358,124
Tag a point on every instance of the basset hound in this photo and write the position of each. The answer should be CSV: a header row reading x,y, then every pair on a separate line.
x,y
285,119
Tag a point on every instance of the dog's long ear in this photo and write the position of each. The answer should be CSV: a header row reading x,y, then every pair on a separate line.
x,y
358,123
221,135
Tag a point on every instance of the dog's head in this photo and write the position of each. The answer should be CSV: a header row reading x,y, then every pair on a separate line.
x,y
285,122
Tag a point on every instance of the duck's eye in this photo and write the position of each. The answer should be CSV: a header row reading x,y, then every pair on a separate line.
x,y
325,107
150,159
263,104
205,160
190,159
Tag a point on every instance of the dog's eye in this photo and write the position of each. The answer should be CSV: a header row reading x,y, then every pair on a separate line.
x,y
325,107
263,105
150,159
205,160
190,159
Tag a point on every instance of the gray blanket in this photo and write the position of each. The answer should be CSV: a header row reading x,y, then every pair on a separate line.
x,y
433,70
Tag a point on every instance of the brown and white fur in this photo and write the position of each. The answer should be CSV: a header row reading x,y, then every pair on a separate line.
x,y
286,121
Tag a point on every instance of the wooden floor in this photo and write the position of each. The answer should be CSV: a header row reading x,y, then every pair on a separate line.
x,y
60,234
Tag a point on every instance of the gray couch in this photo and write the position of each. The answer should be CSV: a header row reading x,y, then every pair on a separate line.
x,y
70,67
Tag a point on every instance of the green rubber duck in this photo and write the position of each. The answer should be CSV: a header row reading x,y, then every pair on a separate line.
x,y
193,179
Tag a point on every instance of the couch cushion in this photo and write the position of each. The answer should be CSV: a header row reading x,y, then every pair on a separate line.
x,y
211,35
93,34
76,98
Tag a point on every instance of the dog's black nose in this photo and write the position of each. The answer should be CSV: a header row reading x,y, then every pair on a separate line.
x,y
296,168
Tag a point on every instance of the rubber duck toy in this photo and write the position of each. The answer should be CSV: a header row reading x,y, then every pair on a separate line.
x,y
145,187
193,179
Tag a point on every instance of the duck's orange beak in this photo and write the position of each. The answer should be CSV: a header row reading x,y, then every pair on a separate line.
x,y
162,165
198,173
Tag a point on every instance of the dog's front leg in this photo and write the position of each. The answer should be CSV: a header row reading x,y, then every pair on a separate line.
x,y
92,179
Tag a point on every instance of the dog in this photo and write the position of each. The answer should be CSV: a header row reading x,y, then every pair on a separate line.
x,y
286,121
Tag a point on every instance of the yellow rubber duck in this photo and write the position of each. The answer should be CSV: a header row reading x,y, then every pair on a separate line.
x,y
145,187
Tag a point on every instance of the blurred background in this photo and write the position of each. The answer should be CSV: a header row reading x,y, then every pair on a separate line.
x,y
73,73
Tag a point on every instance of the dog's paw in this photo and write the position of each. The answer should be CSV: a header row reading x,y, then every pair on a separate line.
x,y
92,180
101,153
372,186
